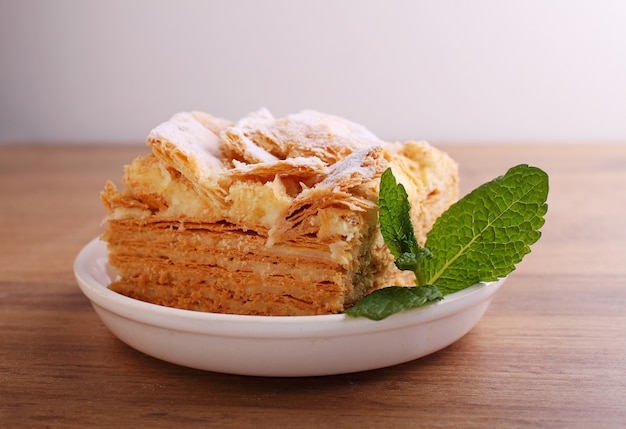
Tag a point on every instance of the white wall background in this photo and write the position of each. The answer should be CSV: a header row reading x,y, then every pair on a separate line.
x,y
446,71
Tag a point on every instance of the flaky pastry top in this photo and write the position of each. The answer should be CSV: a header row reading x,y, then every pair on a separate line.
x,y
278,177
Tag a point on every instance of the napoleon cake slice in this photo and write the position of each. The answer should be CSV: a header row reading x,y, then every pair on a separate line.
x,y
265,216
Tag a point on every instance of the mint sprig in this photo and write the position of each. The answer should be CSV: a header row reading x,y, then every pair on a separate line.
x,y
394,212
480,238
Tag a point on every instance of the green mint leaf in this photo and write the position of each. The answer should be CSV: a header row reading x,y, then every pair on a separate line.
x,y
384,302
396,226
481,237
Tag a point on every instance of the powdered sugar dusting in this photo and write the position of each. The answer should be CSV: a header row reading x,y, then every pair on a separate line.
x,y
335,126
326,148
359,164
194,140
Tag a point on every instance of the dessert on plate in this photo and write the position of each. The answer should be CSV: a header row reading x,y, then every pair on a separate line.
x,y
265,216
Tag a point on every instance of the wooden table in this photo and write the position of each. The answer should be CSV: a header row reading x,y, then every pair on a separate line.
x,y
549,352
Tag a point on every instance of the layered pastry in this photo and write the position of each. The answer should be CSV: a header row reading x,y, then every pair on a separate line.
x,y
265,216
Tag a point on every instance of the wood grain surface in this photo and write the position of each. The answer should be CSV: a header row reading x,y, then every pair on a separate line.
x,y
549,352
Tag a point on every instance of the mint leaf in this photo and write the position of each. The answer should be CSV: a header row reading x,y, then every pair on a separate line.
x,y
384,302
481,237
396,226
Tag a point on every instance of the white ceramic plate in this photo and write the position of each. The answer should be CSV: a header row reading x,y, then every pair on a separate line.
x,y
287,346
